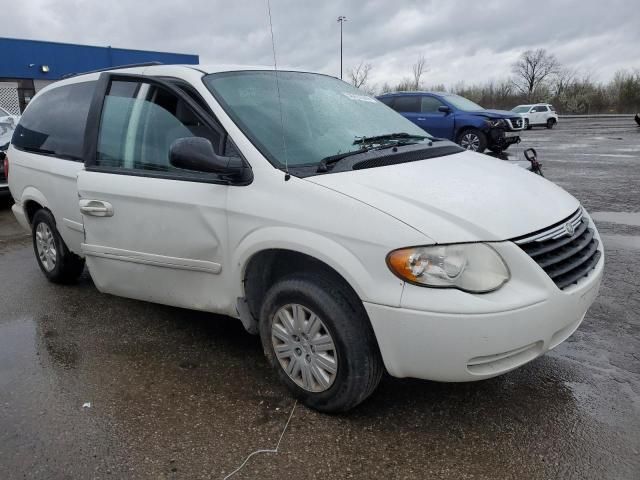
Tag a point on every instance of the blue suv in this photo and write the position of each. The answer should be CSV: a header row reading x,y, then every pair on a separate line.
x,y
458,119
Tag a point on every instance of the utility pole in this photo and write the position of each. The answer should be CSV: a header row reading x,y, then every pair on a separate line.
x,y
341,20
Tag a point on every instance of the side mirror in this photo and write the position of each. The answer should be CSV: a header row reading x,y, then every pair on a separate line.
x,y
444,109
196,153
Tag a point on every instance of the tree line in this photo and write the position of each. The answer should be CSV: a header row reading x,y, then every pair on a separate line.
x,y
536,77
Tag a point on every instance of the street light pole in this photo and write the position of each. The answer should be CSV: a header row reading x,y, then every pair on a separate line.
x,y
341,20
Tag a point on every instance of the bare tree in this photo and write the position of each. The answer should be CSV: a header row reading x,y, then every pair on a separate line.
x,y
360,74
405,85
562,79
533,69
386,88
418,70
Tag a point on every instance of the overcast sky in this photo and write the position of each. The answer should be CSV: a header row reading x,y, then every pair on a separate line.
x,y
462,40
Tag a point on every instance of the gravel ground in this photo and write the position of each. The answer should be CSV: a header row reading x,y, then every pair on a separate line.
x,y
179,394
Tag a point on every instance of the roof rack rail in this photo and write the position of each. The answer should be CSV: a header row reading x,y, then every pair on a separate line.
x,y
113,67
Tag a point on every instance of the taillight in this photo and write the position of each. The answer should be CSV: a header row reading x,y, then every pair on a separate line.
x,y
6,165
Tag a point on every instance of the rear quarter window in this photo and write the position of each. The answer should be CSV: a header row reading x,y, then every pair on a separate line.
x,y
54,123
408,103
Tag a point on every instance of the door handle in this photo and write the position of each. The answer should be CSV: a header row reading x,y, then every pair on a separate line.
x,y
96,208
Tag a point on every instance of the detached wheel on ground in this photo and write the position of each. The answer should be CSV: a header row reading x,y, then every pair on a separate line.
x,y
551,123
472,139
54,258
318,338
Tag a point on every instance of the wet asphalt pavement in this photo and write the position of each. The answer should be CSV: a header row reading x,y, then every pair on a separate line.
x,y
179,394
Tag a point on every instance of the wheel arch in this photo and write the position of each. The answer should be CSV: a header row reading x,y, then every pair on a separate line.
x,y
465,127
33,200
260,260
266,267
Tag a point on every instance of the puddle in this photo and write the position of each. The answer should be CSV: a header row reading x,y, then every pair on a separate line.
x,y
623,242
624,218
613,155
632,149
572,146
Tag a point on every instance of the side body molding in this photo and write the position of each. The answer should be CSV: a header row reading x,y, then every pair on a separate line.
x,y
151,259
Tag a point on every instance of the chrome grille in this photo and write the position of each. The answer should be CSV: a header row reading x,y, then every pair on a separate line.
x,y
567,251
516,122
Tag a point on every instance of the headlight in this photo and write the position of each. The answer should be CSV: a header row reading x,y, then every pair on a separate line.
x,y
500,123
472,267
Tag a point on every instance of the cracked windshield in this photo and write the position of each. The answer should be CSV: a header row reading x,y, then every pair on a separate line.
x,y
322,116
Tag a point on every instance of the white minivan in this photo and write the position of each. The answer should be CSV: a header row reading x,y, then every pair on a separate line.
x,y
351,240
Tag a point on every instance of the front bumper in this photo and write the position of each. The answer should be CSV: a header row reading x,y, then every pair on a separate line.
x,y
515,124
498,140
448,335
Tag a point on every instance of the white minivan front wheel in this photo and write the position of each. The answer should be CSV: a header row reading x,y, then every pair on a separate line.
x,y
320,342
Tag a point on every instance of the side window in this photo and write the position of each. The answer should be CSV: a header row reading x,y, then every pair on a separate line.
x,y
388,101
55,122
543,108
139,123
229,149
409,103
431,105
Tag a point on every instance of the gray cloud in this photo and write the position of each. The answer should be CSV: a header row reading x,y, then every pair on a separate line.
x,y
462,40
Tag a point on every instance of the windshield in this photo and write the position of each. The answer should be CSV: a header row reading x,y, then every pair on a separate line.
x,y
462,103
322,116
521,109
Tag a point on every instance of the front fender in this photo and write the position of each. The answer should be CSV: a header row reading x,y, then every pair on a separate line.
x,y
465,122
375,284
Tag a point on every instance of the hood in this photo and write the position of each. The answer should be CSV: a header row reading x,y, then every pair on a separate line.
x,y
495,114
464,197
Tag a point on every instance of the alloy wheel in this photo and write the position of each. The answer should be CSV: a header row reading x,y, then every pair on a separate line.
x,y
470,141
304,348
46,246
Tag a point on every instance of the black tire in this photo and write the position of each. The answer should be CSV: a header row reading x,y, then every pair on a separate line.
x,y
529,126
68,266
359,364
482,139
551,123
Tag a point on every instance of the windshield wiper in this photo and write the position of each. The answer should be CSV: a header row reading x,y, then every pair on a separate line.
x,y
368,143
389,136
323,166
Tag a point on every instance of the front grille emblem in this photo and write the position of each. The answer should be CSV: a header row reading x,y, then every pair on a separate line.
x,y
569,229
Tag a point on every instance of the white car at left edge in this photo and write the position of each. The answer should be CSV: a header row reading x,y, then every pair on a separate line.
x,y
8,124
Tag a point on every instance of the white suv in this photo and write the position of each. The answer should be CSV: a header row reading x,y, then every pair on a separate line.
x,y
540,114
350,240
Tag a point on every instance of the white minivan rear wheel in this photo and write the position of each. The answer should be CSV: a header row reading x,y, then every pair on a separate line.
x,y
55,260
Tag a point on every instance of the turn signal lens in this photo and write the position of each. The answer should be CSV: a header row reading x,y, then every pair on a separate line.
x,y
472,267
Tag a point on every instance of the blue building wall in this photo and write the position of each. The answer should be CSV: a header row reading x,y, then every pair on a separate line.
x,y
17,55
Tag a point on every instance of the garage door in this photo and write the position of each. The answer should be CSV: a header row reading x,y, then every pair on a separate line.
x,y
9,98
